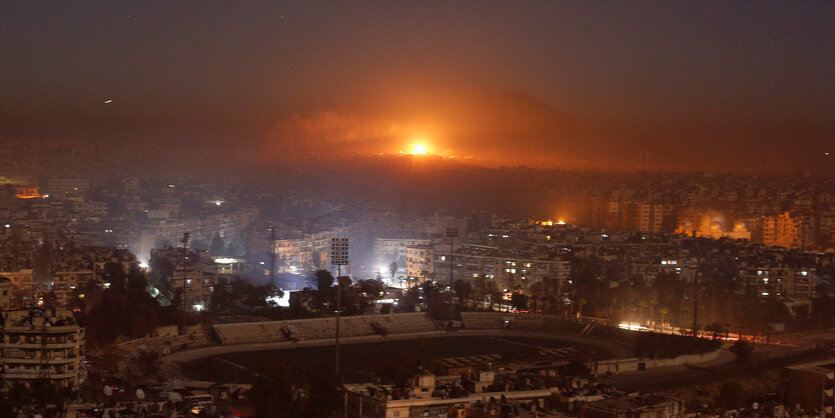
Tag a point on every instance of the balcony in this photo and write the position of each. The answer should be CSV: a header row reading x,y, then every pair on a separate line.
x,y
12,374
29,329
9,361
37,345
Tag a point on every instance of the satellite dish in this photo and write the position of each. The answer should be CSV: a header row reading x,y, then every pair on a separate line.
x,y
108,390
140,394
756,406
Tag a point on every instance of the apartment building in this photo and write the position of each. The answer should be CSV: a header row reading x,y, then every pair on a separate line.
x,y
419,261
41,344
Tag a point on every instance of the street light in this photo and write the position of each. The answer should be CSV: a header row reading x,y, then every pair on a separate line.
x,y
451,233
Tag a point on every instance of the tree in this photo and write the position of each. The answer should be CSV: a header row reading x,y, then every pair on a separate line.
x,y
359,298
577,368
242,297
278,392
149,363
270,392
218,247
127,310
162,269
743,350
715,328
410,301
462,289
534,303
519,300
324,293
496,295
393,269
234,249
18,396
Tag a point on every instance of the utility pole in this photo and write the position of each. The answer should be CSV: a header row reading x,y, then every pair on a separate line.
x,y
339,258
185,277
451,233
696,290
272,256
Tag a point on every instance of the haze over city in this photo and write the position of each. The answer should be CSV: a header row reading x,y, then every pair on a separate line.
x,y
672,86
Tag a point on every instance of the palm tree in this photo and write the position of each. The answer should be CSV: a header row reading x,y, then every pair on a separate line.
x,y
652,301
552,303
663,311
580,303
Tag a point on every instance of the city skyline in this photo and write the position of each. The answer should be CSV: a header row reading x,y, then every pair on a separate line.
x,y
427,208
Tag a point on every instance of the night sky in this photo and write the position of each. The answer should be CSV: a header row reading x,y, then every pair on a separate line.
x,y
665,85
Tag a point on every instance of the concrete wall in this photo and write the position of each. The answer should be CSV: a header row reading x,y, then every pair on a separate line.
x,y
616,366
167,340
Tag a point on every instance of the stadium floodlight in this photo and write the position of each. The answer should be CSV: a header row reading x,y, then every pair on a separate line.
x,y
339,258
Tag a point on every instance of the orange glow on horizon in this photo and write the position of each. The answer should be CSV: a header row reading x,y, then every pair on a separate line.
x,y
419,149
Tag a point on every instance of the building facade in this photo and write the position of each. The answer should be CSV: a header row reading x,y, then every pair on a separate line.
x,y
41,344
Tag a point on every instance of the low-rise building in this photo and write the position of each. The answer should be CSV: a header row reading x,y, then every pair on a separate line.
x,y
652,406
810,386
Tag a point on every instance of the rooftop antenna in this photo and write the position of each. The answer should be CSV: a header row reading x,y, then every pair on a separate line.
x,y
185,276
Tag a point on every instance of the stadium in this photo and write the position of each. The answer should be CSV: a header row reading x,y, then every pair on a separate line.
x,y
391,346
